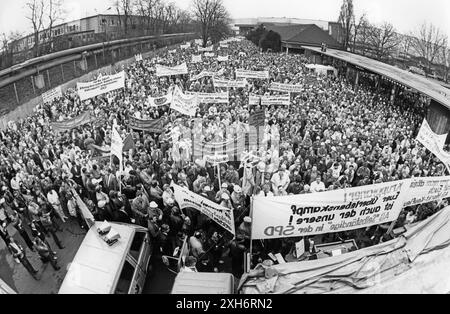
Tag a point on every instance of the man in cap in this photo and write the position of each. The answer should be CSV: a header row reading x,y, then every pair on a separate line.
x,y
223,190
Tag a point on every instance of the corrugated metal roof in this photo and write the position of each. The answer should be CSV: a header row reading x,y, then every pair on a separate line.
x,y
420,83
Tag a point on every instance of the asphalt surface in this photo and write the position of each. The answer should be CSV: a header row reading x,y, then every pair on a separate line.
x,y
49,280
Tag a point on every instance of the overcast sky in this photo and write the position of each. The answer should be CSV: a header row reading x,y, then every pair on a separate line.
x,y
405,15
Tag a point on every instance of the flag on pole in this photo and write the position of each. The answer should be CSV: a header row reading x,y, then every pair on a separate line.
x,y
117,146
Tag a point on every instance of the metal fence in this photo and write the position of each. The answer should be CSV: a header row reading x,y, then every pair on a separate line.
x,y
18,99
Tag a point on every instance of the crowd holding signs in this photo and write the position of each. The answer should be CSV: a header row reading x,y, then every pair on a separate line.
x,y
238,150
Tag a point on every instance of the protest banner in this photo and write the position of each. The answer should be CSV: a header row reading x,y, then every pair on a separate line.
x,y
212,98
186,46
434,143
327,212
196,58
184,104
262,75
117,146
207,74
426,190
275,100
152,126
103,84
138,57
207,49
286,88
223,45
209,54
68,125
221,215
216,159
171,71
257,118
222,58
51,95
160,101
219,83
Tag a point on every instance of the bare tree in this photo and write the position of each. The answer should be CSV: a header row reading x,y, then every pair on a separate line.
x,y
148,9
357,28
36,16
55,14
383,40
213,19
346,19
427,42
124,10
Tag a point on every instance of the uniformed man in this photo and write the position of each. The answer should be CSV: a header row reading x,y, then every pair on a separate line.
x,y
19,254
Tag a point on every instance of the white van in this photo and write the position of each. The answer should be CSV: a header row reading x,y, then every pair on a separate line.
x,y
102,269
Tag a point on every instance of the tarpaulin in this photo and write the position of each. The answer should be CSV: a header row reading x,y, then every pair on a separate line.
x,y
416,262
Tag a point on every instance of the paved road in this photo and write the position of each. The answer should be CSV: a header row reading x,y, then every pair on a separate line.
x,y
49,280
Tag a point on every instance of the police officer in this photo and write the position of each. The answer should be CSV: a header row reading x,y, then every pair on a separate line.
x,y
46,254
19,253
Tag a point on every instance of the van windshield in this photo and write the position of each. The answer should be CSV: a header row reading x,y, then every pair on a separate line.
x,y
123,286
136,246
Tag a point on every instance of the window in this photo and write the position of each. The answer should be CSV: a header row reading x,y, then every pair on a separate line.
x,y
125,278
137,245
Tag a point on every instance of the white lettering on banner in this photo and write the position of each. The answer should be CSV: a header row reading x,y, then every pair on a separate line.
x,y
263,75
283,100
196,58
51,95
212,98
184,104
104,84
218,83
286,88
171,71
222,58
221,215
426,190
433,142
207,74
224,45
327,212
207,49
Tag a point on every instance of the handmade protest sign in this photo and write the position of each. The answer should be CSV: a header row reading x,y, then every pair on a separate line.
x,y
275,100
221,215
286,88
327,212
100,86
184,104
51,95
171,71
262,75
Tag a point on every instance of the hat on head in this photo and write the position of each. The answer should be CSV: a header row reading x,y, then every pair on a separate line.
x,y
224,185
207,188
153,205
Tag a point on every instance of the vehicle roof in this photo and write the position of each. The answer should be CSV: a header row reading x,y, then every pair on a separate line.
x,y
203,283
96,267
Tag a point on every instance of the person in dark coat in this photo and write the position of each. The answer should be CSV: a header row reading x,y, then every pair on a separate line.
x,y
19,253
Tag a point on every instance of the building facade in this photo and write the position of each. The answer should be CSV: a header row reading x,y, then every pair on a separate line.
x,y
334,29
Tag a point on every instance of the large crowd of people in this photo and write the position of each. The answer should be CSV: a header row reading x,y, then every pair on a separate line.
x,y
333,135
